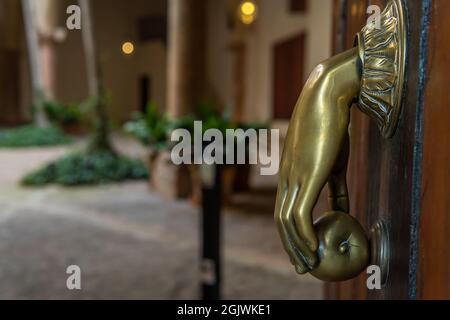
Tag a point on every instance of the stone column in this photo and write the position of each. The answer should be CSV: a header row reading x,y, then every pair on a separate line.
x,y
186,55
185,86
238,49
50,22
239,52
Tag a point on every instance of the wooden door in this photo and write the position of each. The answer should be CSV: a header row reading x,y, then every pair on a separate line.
x,y
288,72
10,52
405,180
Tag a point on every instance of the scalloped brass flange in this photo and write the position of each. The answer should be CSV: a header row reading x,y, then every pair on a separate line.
x,y
383,56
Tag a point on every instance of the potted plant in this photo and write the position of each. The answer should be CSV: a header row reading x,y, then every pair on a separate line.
x,y
151,129
67,117
235,177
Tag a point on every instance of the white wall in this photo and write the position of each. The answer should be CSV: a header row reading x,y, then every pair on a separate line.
x,y
274,24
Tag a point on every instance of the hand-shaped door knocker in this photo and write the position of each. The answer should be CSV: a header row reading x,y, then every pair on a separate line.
x,y
335,248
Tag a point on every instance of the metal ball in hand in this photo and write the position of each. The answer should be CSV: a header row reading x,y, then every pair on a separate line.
x,y
343,247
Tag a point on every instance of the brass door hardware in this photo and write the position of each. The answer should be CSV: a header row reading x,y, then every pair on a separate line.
x,y
335,248
379,241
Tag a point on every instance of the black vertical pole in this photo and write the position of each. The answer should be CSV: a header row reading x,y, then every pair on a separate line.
x,y
211,207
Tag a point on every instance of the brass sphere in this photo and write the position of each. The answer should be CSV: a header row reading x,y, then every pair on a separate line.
x,y
343,247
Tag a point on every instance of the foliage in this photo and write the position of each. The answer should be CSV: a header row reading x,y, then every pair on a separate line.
x,y
32,136
151,128
100,124
60,114
186,122
87,169
212,118
154,128
91,113
98,164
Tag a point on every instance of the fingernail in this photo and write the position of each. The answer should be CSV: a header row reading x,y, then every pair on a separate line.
x,y
312,246
299,270
311,262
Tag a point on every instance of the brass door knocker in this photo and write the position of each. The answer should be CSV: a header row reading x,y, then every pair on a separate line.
x,y
335,248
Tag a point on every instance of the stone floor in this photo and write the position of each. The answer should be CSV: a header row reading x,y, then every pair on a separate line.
x,y
130,243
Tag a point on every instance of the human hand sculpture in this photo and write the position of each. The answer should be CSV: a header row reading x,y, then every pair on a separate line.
x,y
316,149
316,152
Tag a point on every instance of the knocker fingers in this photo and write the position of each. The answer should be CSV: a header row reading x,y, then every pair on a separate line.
x,y
303,257
296,257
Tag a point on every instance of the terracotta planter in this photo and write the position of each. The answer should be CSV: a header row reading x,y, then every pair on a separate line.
x,y
196,184
184,181
73,129
168,179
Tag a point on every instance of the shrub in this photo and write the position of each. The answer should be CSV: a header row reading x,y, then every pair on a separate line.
x,y
32,136
84,168
151,128
62,114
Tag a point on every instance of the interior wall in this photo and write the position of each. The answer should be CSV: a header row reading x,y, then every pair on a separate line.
x,y
156,70
115,22
219,57
118,23
274,23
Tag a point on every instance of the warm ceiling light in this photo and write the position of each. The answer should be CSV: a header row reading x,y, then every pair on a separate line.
x,y
247,19
248,8
128,48
247,11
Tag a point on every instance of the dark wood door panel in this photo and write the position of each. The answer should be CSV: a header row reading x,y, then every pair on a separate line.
x,y
393,168
383,174
10,113
434,237
289,56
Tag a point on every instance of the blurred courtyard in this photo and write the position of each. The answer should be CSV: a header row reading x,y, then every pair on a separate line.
x,y
119,78
131,243
141,144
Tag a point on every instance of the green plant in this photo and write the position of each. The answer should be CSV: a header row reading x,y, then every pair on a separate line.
x,y
62,114
186,122
97,121
151,128
212,118
32,136
99,163
154,128
87,168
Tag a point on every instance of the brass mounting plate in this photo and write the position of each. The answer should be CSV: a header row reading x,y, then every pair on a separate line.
x,y
380,249
382,50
